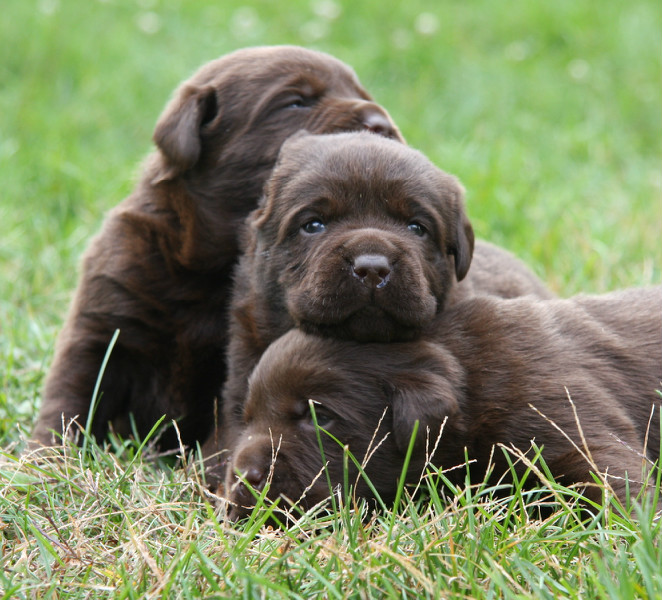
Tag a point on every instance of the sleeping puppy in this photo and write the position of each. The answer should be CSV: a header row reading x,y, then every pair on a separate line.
x,y
160,270
500,371
358,237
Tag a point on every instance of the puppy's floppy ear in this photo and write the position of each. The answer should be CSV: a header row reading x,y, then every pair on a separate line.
x,y
460,236
463,246
178,131
424,397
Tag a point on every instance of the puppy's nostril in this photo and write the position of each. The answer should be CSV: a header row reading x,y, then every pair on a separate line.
x,y
378,123
373,270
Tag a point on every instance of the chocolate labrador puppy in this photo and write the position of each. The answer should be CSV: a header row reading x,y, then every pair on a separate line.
x,y
361,238
500,371
160,269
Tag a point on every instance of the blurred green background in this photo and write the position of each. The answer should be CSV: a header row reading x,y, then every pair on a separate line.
x,y
549,113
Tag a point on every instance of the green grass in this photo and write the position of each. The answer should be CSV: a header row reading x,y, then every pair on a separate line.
x,y
550,114
110,526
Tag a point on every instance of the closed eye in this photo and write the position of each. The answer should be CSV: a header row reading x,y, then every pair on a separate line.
x,y
298,101
320,415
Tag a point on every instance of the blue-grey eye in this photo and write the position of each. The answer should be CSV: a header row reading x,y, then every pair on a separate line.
x,y
417,229
313,227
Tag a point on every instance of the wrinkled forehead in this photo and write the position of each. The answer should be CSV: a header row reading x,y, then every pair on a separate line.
x,y
373,169
362,154
290,371
300,368
288,367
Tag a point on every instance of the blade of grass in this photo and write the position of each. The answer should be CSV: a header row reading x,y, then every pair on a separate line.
x,y
95,395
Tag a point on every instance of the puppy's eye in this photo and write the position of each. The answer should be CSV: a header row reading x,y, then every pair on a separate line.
x,y
323,417
314,226
417,229
298,101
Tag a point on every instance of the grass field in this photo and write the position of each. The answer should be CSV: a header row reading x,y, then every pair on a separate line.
x,y
549,113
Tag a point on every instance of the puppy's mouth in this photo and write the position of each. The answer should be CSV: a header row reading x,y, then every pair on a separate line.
x,y
369,305
366,324
286,486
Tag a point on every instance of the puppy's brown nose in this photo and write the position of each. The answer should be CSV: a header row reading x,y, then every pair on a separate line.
x,y
378,123
243,491
373,270
255,477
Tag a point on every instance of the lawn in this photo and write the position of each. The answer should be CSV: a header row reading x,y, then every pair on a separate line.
x,y
551,116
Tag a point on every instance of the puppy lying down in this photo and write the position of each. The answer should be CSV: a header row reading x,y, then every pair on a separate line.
x,y
501,371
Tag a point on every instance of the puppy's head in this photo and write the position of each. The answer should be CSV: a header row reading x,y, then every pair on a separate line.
x,y
365,399
232,116
359,237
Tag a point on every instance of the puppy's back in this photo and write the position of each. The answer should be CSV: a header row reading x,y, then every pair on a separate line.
x,y
605,350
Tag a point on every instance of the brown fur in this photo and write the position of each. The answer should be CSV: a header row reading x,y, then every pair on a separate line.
x,y
489,362
159,271
394,244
